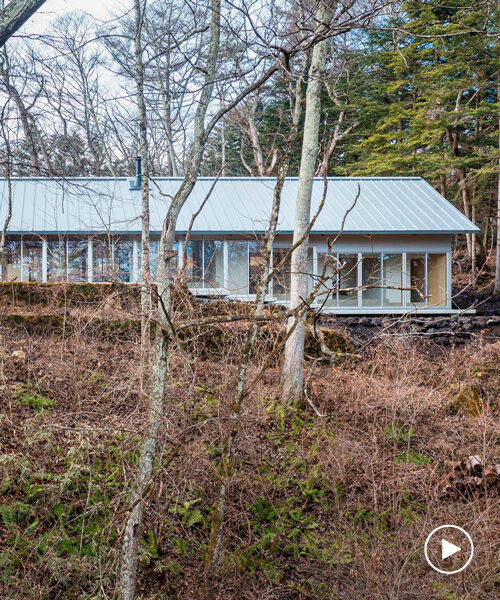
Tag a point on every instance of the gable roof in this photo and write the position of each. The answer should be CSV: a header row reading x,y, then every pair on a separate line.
x,y
397,205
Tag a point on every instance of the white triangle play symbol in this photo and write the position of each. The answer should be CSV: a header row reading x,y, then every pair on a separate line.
x,y
448,549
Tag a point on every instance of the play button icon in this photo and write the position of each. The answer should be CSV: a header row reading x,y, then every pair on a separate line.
x,y
448,549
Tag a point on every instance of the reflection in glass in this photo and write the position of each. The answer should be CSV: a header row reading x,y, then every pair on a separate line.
x,y
328,289
393,280
282,277
255,262
237,268
102,260
371,276
123,257
56,260
415,273
194,263
77,260
213,260
11,269
348,280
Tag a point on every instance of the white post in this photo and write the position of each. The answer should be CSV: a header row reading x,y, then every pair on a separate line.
x,y
226,265
360,279
90,260
315,271
44,259
22,259
426,286
404,279
448,279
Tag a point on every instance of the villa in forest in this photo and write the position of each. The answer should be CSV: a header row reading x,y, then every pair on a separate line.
x,y
394,250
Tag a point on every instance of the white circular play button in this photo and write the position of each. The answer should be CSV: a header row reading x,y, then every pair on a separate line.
x,y
448,549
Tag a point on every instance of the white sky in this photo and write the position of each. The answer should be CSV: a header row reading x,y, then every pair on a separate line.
x,y
100,9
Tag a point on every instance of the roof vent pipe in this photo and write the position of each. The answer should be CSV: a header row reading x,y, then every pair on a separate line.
x,y
135,184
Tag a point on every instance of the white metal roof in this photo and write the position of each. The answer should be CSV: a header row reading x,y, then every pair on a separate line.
x,y
237,205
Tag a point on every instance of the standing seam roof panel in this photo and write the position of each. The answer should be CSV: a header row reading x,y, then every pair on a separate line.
x,y
392,205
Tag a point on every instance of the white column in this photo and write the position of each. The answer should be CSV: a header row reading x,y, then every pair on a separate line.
x,y
360,279
44,259
22,259
89,260
404,279
448,279
315,272
426,287
226,265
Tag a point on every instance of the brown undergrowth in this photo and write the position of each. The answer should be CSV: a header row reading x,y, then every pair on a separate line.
x,y
335,507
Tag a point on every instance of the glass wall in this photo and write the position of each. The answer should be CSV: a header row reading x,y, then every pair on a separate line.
x,y
32,260
371,280
102,261
56,260
415,279
392,292
281,278
213,264
255,262
328,288
237,267
123,260
12,260
194,263
348,279
77,260
205,264
436,279
382,280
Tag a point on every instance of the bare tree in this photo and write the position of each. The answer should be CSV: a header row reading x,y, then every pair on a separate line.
x,y
15,15
292,373
139,11
497,263
240,391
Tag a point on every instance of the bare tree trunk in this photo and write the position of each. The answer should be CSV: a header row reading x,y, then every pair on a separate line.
x,y
3,261
144,171
292,372
462,182
27,125
163,330
227,460
496,289
15,15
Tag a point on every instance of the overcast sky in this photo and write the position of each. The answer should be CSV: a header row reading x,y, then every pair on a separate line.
x,y
100,9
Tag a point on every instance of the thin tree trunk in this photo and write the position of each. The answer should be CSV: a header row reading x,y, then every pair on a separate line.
x,y
163,335
144,154
473,250
3,261
496,289
227,460
462,182
292,372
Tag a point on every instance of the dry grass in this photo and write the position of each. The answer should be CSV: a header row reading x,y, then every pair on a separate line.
x,y
334,508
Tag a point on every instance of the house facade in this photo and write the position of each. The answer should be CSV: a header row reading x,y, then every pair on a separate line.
x,y
391,251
